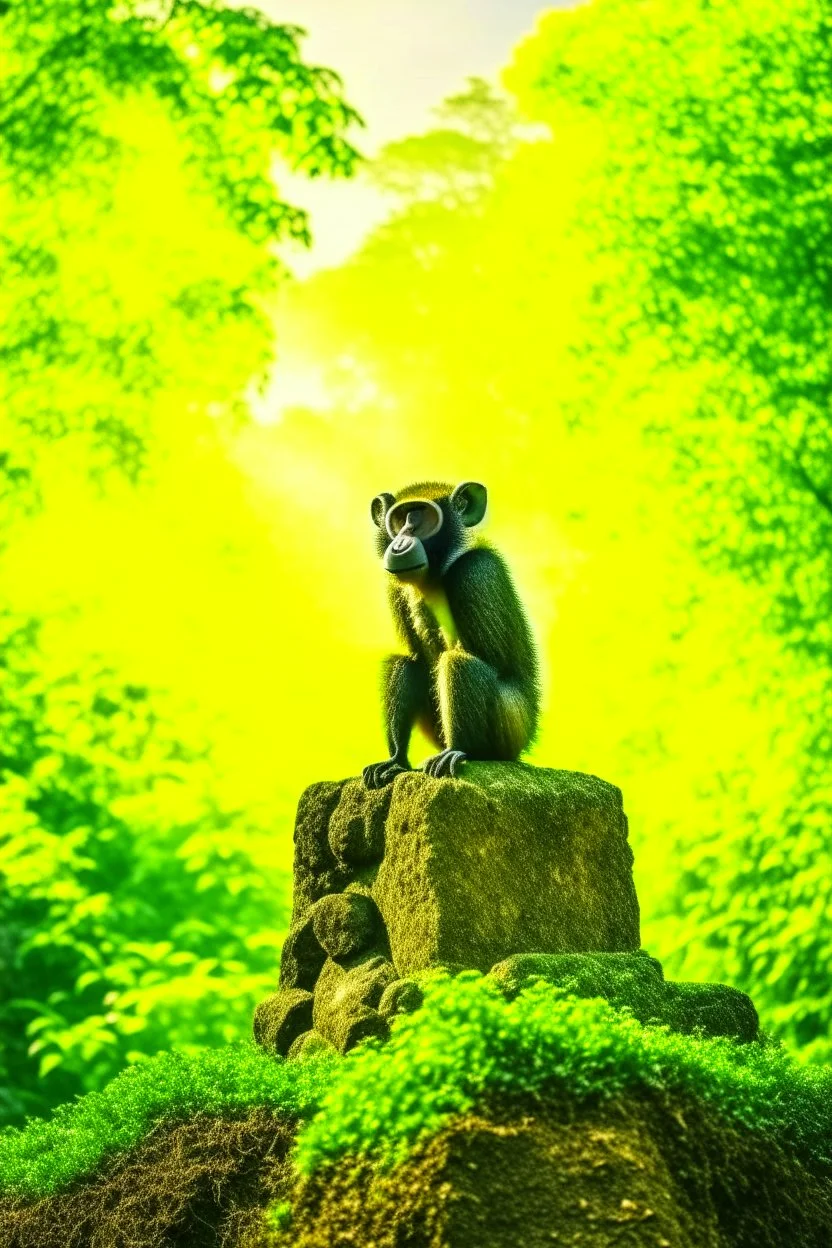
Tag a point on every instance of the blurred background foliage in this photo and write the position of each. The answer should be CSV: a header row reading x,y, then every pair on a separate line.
x,y
602,288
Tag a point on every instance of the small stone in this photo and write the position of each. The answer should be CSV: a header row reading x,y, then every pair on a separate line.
x,y
364,1025
714,1009
308,1044
624,979
316,869
302,956
345,924
356,826
344,996
281,1018
403,996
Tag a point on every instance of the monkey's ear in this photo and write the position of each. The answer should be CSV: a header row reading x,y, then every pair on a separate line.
x,y
469,501
379,508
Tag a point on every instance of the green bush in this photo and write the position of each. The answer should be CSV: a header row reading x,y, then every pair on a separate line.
x,y
47,1155
466,1044
133,916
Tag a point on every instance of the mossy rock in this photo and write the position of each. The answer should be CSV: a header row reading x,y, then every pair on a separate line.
x,y
356,825
309,1044
346,924
713,1009
624,979
317,871
403,996
636,982
281,1018
347,997
302,955
510,859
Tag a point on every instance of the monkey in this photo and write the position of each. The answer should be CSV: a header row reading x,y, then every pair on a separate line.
x,y
470,674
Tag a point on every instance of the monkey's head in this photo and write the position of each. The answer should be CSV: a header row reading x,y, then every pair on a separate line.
x,y
422,528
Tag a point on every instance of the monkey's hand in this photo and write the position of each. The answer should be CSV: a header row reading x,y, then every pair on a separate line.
x,y
378,774
444,765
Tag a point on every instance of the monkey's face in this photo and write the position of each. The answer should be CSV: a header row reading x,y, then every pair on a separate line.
x,y
417,535
411,525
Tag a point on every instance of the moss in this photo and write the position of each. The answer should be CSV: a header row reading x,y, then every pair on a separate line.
x,y
639,1170
203,1183
82,1137
468,1043
478,1112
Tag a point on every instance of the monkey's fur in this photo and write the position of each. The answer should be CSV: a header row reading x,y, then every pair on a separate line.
x,y
470,675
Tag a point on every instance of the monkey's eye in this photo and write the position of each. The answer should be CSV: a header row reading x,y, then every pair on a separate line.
x,y
422,518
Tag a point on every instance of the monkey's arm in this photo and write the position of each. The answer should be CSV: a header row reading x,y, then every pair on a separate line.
x,y
405,693
489,617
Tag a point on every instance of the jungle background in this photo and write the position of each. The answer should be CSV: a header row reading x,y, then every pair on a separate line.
x,y
598,282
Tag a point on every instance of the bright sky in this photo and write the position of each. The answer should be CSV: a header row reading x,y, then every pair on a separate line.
x,y
398,59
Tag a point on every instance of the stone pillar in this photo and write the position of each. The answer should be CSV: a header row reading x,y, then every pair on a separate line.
x,y
509,860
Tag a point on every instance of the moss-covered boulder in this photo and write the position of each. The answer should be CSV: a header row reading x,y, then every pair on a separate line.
x,y
403,996
713,1009
356,826
636,982
303,955
345,923
453,873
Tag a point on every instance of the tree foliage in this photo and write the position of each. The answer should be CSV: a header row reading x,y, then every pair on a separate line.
x,y
86,86
713,125
133,912
139,907
708,215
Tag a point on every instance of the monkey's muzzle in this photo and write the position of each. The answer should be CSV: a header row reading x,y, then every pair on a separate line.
x,y
405,554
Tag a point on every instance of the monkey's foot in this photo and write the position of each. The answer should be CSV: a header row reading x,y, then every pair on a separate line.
x,y
378,774
445,764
